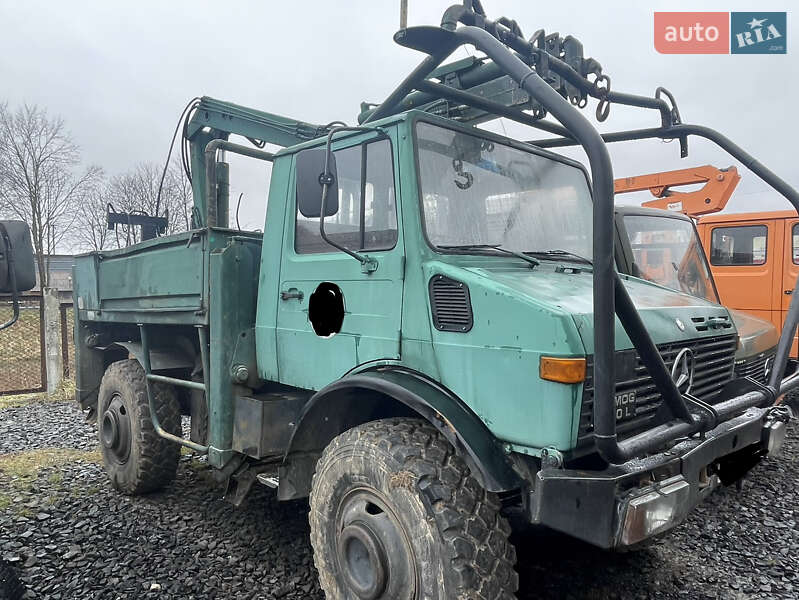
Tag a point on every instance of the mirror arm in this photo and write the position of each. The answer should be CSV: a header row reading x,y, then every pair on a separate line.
x,y
368,264
12,275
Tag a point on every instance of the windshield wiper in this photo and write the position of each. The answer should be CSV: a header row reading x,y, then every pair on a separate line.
x,y
533,261
559,254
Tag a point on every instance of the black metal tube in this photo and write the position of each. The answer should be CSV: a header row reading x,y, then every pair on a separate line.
x,y
728,408
657,436
642,102
488,71
789,383
565,70
650,356
148,377
785,344
667,432
445,91
194,385
328,179
492,39
615,136
408,84
210,172
750,162
468,79
604,268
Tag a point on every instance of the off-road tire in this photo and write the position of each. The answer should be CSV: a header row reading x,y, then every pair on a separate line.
x,y
152,461
10,586
457,536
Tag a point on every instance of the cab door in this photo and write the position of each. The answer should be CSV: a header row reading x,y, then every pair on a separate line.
x,y
790,272
332,314
746,259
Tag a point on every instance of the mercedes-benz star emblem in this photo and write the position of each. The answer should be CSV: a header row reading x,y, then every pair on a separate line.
x,y
769,362
682,371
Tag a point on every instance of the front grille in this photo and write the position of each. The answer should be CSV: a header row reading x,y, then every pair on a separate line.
x,y
714,360
755,367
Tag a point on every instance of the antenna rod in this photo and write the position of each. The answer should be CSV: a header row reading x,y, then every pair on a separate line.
x,y
403,14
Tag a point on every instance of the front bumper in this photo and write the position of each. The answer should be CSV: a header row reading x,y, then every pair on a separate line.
x,y
628,503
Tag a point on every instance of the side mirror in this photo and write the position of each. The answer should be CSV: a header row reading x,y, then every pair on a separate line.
x,y
310,170
16,258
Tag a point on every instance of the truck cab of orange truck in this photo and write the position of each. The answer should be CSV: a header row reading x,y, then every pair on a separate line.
x,y
753,257
664,247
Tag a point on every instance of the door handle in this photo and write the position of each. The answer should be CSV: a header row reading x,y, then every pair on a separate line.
x,y
291,294
788,292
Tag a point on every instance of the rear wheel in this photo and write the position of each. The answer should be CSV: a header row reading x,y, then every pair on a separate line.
x,y
136,458
396,514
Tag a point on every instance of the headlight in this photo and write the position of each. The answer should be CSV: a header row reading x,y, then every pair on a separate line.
x,y
655,511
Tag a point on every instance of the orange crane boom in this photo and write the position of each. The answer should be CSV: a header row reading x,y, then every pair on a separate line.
x,y
710,198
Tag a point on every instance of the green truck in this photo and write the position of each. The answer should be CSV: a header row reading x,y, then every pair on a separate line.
x,y
430,338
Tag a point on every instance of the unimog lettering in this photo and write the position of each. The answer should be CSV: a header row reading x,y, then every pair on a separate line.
x,y
625,406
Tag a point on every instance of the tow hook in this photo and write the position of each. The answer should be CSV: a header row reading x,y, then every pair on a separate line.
x,y
775,427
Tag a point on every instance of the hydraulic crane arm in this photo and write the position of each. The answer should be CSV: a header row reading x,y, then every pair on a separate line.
x,y
711,198
215,119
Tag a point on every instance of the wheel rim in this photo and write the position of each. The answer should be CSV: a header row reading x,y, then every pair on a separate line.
x,y
375,555
115,430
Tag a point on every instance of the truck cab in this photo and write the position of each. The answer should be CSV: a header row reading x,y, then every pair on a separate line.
x,y
664,247
754,258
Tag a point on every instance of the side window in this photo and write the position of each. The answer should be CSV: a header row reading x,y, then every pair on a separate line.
x,y
795,244
744,245
367,210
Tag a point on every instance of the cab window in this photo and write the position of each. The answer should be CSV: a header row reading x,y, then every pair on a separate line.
x,y
667,251
795,244
367,210
740,246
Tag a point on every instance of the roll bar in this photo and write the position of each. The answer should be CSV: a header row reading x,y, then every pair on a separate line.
x,y
560,87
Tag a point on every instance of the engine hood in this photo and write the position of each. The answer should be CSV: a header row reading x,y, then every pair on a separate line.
x,y
668,315
756,335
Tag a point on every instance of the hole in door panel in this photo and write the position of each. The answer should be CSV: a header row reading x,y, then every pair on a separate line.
x,y
326,309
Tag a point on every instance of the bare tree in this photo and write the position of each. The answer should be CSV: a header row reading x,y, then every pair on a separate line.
x,y
180,200
39,178
91,226
137,192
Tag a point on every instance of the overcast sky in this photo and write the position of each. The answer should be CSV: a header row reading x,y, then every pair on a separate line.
x,y
120,73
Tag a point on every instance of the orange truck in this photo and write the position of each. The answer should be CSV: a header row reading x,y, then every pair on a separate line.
x,y
754,257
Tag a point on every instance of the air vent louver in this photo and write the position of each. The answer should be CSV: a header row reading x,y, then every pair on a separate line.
x,y
451,304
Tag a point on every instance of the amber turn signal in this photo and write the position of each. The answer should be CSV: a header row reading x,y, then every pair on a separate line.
x,y
562,370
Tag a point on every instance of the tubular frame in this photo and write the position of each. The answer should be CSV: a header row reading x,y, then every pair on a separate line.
x,y
506,49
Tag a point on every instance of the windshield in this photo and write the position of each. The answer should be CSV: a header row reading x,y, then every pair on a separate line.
x,y
477,192
667,251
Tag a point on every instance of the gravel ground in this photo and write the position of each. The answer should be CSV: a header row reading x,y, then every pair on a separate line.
x,y
72,537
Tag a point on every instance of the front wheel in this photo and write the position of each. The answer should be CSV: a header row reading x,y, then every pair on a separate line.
x,y
395,513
